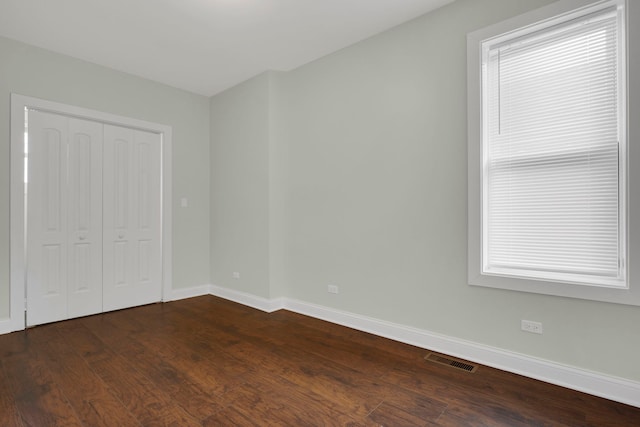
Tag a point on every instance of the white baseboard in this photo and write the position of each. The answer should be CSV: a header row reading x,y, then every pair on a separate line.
x,y
260,303
183,293
597,384
6,326
12,325
606,386
17,323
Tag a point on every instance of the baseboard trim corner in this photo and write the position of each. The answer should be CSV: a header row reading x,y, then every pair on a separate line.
x,y
594,383
597,384
254,301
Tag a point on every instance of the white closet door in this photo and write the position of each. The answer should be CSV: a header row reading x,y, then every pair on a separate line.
x,y
64,257
132,217
84,277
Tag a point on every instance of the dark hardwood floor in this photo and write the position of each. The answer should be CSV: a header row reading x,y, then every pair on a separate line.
x,y
207,361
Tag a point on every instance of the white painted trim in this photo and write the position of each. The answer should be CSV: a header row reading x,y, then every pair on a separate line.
x,y
184,293
17,261
16,220
629,295
609,387
167,211
597,384
260,303
6,326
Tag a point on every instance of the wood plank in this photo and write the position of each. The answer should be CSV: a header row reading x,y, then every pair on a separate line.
x,y
160,373
210,361
213,371
37,397
140,395
14,344
470,396
274,401
9,414
149,404
87,393
391,415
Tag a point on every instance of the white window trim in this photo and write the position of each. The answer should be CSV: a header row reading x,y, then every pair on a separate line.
x,y
630,295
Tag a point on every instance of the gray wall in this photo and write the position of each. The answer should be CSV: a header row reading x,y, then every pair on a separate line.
x,y
371,148
39,73
248,181
240,127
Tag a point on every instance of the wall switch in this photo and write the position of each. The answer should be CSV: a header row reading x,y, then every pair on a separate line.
x,y
236,275
184,202
332,289
533,327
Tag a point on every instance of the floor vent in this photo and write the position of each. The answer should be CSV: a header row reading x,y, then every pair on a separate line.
x,y
450,361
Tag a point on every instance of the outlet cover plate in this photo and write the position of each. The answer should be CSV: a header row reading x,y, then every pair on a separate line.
x,y
531,326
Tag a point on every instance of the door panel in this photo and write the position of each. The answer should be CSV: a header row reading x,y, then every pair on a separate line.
x,y
132,245
64,220
47,209
85,218
93,218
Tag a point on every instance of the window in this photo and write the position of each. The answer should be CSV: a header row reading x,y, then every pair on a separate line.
x,y
548,152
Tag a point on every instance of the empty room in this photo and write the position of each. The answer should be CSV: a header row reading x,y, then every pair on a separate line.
x,y
320,212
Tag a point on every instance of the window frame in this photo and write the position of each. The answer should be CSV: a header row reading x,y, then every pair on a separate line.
x,y
570,8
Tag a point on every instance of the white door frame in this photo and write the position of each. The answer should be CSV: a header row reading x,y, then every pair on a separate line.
x,y
17,221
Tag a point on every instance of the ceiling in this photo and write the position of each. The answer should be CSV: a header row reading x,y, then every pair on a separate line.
x,y
202,46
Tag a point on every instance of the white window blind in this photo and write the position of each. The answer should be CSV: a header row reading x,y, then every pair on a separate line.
x,y
553,157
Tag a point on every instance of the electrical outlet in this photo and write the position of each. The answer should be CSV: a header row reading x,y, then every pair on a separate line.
x,y
236,275
332,289
530,326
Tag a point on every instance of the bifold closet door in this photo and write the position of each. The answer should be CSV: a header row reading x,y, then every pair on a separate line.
x,y
64,217
132,267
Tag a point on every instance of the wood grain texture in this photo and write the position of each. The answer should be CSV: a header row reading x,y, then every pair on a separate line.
x,y
9,413
207,361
